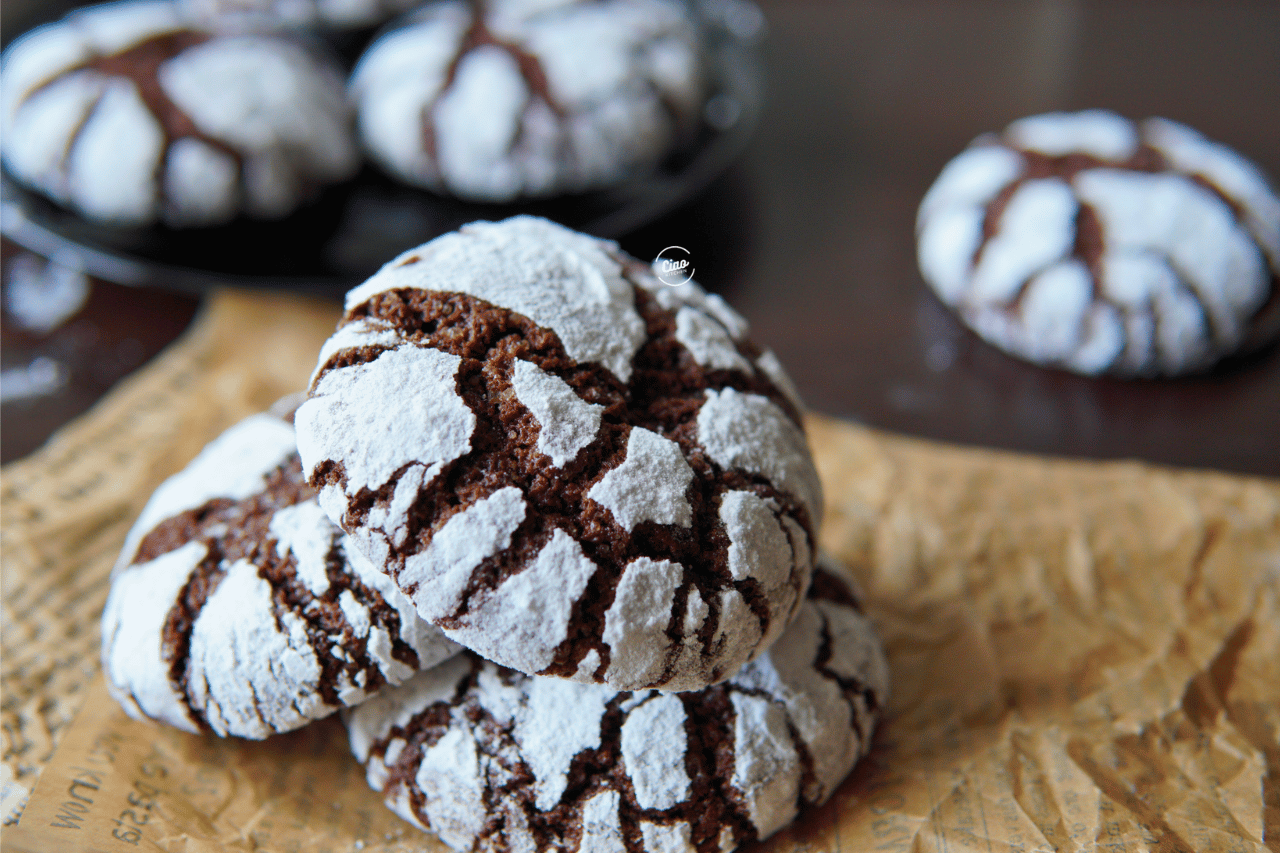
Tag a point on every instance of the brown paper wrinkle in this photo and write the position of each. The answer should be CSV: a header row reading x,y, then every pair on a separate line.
x,y
1084,656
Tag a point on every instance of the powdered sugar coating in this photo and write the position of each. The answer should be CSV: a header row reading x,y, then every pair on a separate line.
x,y
973,178
551,748
561,280
596,440
1188,224
129,115
1097,132
258,15
348,416
237,646
132,621
353,336
649,485
242,610
1087,242
751,432
452,779
436,578
777,737
666,838
543,594
708,341
1040,229
601,830
304,530
653,744
392,709
1241,180
566,422
813,700
771,784
508,98
635,624
109,169
758,546
234,465
736,629
771,366
690,295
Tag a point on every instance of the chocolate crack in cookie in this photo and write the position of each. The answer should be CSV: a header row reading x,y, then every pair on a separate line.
x,y
490,759
1089,242
566,465
237,606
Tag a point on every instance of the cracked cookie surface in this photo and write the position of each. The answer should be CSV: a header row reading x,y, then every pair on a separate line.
x,y
1100,245
238,607
569,467
490,759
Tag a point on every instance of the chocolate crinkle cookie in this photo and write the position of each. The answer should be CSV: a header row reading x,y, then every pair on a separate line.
x,y
1096,244
237,607
130,115
568,466
491,100
492,760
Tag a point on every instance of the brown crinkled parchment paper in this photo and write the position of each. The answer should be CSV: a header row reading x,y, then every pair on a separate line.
x,y
1085,656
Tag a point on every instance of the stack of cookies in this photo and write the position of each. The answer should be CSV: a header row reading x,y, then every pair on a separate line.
x,y
547,528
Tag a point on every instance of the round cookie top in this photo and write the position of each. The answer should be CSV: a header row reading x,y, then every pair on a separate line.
x,y
130,115
491,100
568,466
275,14
489,759
1088,242
238,607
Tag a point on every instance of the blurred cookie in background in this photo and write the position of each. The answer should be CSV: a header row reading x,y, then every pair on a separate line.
x,y
496,100
129,115
1089,242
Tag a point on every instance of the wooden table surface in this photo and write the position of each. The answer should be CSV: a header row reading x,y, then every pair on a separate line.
x,y
811,235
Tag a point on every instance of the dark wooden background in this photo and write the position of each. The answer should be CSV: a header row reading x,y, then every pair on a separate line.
x,y
811,235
